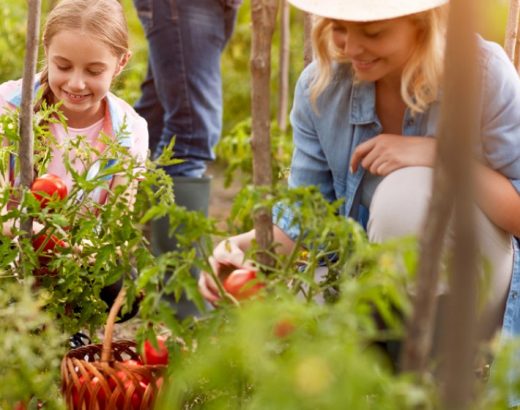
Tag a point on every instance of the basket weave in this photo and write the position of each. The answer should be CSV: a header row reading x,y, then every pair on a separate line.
x,y
98,376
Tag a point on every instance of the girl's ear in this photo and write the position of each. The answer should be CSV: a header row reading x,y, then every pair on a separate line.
x,y
123,62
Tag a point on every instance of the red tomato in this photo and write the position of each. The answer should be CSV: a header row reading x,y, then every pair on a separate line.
x,y
154,356
128,383
20,406
48,187
237,283
284,328
47,245
93,383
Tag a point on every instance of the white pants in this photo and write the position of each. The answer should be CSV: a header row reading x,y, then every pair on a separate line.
x,y
399,207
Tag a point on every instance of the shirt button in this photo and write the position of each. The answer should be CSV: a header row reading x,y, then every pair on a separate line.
x,y
514,294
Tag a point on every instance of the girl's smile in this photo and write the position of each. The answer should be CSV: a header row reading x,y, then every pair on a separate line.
x,y
81,70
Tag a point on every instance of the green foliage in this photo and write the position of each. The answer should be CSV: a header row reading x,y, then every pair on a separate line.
x,y
236,148
307,341
12,39
31,348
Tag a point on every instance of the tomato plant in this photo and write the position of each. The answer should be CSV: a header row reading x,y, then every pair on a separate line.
x,y
242,283
49,187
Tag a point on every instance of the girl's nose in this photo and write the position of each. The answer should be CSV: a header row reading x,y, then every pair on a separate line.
x,y
76,81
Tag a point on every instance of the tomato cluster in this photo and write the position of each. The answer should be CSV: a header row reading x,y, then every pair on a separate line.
x,y
92,392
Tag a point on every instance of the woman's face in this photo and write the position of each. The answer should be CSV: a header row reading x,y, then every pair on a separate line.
x,y
378,50
81,69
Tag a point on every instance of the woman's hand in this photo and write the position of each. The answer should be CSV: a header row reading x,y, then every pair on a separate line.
x,y
227,257
386,153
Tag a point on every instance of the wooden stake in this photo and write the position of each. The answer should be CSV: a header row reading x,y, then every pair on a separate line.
x,y
283,87
452,187
26,111
307,39
263,16
511,38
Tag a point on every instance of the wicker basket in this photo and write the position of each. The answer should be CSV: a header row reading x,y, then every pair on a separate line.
x,y
106,376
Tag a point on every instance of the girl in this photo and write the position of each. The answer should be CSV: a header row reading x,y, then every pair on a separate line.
x,y
364,119
86,48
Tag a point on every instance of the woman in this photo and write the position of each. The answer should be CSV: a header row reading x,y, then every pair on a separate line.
x,y
364,118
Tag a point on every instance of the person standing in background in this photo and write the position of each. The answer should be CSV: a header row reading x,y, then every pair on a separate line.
x,y
182,95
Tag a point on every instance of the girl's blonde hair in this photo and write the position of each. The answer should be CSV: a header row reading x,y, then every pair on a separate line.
x,y
103,20
422,74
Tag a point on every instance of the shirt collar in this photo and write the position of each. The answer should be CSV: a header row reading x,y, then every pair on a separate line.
x,y
363,103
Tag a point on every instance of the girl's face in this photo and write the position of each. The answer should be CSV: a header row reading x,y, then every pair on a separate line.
x,y
377,50
81,69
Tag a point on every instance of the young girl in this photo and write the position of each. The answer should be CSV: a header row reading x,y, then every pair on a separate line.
x,y
86,47
364,118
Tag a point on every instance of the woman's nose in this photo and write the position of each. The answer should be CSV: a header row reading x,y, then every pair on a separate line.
x,y
352,46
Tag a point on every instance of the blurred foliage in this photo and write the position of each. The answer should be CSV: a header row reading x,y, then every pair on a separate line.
x,y
306,342
32,348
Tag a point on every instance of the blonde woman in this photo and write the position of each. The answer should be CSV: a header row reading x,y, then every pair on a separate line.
x,y
365,116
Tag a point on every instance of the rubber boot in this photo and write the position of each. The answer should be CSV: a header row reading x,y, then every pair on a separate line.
x,y
193,194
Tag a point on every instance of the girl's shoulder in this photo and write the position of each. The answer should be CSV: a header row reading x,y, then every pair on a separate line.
x,y
10,93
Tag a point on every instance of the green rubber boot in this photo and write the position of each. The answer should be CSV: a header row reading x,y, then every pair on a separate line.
x,y
193,194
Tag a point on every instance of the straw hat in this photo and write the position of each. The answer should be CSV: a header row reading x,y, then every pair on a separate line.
x,y
365,10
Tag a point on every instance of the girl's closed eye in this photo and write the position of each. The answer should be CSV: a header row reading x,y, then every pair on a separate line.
x,y
95,72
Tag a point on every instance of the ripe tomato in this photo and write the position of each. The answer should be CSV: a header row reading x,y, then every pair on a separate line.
x,y
128,384
156,356
283,328
99,397
47,245
48,187
237,283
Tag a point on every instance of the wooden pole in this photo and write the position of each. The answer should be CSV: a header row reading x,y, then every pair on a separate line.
x,y
452,187
283,88
460,123
263,16
26,112
511,37
307,39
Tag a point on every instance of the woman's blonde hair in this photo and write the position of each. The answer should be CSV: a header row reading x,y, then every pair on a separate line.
x,y
422,74
103,20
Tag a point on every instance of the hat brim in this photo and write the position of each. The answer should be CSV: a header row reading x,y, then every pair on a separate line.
x,y
365,10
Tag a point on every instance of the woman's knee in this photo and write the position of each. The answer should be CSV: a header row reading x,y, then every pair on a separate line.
x,y
400,203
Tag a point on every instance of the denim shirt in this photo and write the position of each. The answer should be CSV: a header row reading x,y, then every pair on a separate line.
x,y
324,141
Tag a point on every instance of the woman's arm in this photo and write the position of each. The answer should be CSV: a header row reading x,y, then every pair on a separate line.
x,y
386,153
231,252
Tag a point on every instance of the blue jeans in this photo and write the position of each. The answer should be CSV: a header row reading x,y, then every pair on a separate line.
x,y
182,92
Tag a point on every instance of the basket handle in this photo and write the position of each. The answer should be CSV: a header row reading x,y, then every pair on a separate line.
x,y
106,351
